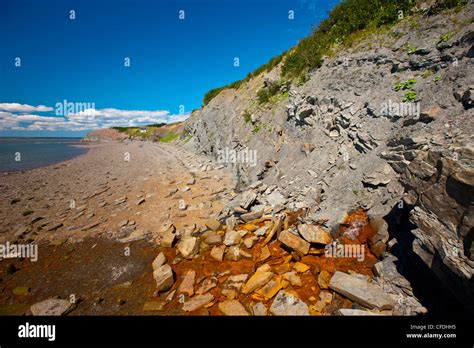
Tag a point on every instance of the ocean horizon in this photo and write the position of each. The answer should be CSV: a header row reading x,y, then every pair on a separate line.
x,y
24,153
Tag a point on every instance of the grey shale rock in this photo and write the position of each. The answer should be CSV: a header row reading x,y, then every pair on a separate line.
x,y
358,290
247,199
159,261
197,302
355,312
188,247
232,238
286,303
51,307
164,278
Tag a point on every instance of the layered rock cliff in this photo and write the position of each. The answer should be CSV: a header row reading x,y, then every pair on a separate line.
x,y
385,125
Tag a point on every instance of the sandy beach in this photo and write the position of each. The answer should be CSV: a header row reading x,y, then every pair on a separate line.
x,y
90,209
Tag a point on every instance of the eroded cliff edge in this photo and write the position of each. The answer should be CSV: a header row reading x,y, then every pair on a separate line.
x,y
353,136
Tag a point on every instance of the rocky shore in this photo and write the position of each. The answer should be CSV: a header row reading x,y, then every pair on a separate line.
x,y
141,228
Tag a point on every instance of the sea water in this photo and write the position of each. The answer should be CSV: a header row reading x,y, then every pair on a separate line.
x,y
29,153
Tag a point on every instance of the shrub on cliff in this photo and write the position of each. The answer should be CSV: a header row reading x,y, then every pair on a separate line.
x,y
345,20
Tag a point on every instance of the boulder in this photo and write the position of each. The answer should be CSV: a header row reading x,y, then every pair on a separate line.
x,y
166,235
159,261
361,291
232,238
213,239
286,303
314,234
232,307
276,198
188,247
247,199
251,216
164,278
51,307
197,302
294,242
324,278
354,312
217,253
213,224
259,309
187,285
256,281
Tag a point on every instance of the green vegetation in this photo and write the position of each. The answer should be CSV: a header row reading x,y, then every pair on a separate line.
x,y
437,78
169,137
256,129
445,37
347,18
143,132
347,23
442,5
411,49
235,85
264,94
272,92
247,116
408,84
410,96
152,132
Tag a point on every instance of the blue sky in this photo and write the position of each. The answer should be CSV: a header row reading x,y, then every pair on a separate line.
x,y
173,62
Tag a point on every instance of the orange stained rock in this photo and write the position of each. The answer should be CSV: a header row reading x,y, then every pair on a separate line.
x,y
300,267
249,227
271,288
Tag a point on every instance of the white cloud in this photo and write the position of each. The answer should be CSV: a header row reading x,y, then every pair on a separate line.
x,y
14,118
15,107
34,118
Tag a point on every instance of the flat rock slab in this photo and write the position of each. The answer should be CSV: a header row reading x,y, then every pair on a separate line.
x,y
286,303
232,307
258,280
197,302
213,224
314,234
159,261
164,278
51,307
188,247
294,242
187,285
359,290
355,312
247,199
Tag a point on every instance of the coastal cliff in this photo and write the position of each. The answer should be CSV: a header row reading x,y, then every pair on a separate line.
x,y
384,123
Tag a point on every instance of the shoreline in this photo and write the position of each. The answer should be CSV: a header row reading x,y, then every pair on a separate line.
x,y
86,148
100,201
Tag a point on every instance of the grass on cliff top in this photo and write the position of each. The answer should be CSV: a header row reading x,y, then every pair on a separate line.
x,y
339,29
136,132
169,137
